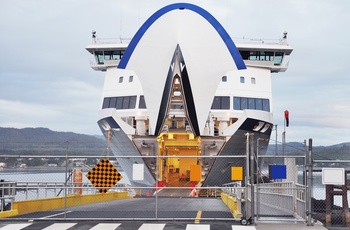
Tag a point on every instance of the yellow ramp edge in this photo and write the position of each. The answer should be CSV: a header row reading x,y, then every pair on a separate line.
x,y
28,206
10,213
232,204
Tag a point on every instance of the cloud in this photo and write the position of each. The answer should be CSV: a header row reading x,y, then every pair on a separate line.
x,y
46,80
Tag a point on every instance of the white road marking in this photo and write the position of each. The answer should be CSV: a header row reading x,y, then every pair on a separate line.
x,y
60,226
243,228
152,227
198,227
103,226
15,226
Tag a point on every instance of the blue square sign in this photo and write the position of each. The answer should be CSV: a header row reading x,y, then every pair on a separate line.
x,y
278,172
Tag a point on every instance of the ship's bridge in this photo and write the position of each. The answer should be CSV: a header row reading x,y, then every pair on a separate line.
x,y
268,53
107,52
264,53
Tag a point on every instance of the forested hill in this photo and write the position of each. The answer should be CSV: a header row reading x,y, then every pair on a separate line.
x,y
333,152
34,141
37,141
37,135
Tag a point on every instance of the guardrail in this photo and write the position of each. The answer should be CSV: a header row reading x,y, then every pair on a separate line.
x,y
7,195
54,189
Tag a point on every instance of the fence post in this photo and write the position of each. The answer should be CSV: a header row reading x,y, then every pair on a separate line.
x,y
252,178
65,183
309,185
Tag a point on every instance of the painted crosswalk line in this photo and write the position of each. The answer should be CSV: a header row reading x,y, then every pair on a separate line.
x,y
60,226
105,226
152,227
198,227
243,228
15,226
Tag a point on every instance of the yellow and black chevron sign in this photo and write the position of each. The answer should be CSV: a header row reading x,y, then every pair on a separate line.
x,y
104,176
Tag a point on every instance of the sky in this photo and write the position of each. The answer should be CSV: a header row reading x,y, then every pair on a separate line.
x,y
46,79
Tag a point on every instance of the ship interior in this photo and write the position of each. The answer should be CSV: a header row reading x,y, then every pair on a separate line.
x,y
176,166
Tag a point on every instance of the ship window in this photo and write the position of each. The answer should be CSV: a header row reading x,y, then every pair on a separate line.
x,y
269,56
236,103
266,105
142,103
241,79
126,102
244,54
117,55
119,104
253,80
278,58
131,78
99,57
251,103
132,102
254,55
244,103
120,79
221,103
258,104
106,101
112,102
241,103
224,78
108,55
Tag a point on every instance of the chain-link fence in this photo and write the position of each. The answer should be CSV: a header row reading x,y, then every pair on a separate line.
x,y
330,195
71,187
60,186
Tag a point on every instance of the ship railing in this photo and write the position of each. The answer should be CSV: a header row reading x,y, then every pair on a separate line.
x,y
268,41
40,190
272,41
234,189
112,40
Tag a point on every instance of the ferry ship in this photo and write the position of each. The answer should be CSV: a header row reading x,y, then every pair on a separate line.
x,y
181,95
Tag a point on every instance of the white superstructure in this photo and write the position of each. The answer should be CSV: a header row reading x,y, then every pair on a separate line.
x,y
182,87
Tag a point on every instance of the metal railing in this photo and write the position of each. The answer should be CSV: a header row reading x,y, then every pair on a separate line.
x,y
288,198
7,195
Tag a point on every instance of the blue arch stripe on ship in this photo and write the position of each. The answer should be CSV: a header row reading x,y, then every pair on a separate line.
x,y
181,6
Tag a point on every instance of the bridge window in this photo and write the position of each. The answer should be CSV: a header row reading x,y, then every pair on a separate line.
x,y
131,78
262,56
241,103
224,78
278,58
108,55
221,103
120,79
99,57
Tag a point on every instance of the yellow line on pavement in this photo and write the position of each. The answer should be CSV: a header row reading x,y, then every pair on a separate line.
x,y
199,214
